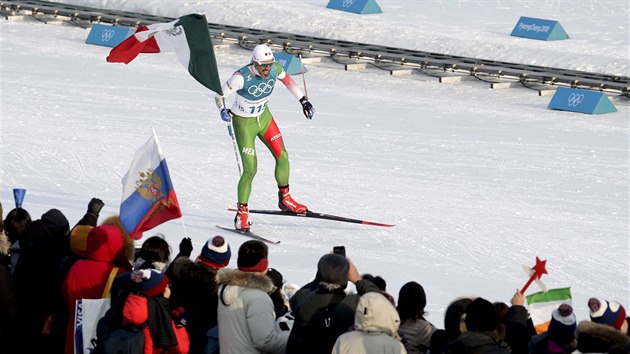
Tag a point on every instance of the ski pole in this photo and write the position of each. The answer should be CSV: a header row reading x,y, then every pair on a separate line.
x,y
303,77
231,133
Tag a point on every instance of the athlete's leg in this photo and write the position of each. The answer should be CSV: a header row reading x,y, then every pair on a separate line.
x,y
272,137
245,132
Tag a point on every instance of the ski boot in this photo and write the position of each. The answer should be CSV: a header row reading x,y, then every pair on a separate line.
x,y
241,219
286,203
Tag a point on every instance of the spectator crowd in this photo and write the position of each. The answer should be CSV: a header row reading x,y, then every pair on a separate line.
x,y
194,303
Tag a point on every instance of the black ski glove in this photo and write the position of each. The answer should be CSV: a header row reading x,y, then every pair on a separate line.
x,y
95,206
307,108
185,247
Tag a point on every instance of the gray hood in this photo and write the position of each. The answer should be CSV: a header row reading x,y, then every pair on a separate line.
x,y
375,313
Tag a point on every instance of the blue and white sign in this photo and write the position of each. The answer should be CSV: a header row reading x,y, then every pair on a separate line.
x,y
356,6
290,63
536,28
108,36
583,101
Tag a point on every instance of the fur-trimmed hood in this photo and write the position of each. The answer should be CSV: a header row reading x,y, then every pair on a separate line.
x,y
601,335
235,281
4,244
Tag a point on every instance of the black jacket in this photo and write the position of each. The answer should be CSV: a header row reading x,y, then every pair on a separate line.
x,y
194,290
477,343
310,300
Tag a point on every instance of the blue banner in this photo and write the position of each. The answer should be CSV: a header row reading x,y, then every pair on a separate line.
x,y
583,101
108,36
290,63
356,6
536,28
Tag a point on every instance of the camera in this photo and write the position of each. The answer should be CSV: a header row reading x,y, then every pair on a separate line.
x,y
341,250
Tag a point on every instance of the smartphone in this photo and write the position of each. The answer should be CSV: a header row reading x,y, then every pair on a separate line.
x,y
340,250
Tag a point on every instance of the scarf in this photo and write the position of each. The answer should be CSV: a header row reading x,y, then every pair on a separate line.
x,y
160,324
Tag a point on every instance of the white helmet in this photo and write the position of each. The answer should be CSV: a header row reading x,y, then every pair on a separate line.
x,y
262,54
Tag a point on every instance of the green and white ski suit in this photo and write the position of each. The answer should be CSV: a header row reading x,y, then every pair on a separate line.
x,y
252,118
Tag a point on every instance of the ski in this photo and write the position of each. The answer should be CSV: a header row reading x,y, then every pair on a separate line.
x,y
311,214
248,234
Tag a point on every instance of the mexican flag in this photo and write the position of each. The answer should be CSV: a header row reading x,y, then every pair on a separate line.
x,y
542,304
187,36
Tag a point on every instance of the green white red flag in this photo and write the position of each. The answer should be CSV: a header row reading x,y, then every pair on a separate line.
x,y
541,305
188,37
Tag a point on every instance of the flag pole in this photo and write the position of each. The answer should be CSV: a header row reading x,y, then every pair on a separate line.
x,y
231,133
303,78
184,226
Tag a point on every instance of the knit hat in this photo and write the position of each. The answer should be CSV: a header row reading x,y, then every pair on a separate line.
x,y
252,256
607,312
563,323
332,271
276,277
216,253
150,282
481,315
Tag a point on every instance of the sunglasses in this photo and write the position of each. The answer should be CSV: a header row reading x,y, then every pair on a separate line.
x,y
265,65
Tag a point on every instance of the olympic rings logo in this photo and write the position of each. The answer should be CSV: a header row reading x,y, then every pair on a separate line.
x,y
348,3
575,99
262,89
107,34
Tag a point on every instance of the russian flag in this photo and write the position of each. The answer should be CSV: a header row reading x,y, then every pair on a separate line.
x,y
148,196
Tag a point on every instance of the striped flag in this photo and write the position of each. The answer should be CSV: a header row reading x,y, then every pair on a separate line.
x,y
187,36
148,195
542,304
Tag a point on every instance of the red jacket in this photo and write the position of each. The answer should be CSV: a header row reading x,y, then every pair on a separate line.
x,y
136,312
87,277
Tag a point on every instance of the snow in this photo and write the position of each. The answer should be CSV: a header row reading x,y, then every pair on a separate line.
x,y
478,181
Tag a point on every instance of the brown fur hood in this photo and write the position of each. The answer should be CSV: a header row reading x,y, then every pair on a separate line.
x,y
4,244
234,283
604,333
244,279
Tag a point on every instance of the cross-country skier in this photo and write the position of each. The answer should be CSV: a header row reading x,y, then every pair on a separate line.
x,y
252,118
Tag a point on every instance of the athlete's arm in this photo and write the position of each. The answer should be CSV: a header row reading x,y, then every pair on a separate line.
x,y
233,84
288,82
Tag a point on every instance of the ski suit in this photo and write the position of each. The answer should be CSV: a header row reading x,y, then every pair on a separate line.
x,y
252,118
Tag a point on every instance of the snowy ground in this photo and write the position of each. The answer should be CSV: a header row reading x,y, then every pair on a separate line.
x,y
477,181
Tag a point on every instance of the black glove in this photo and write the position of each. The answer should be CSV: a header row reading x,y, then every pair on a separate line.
x,y
185,247
307,107
95,206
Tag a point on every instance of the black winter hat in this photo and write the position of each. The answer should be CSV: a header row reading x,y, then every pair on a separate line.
x,y
333,269
252,256
55,222
276,277
481,315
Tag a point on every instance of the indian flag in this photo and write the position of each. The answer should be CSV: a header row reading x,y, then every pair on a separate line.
x,y
187,36
542,304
